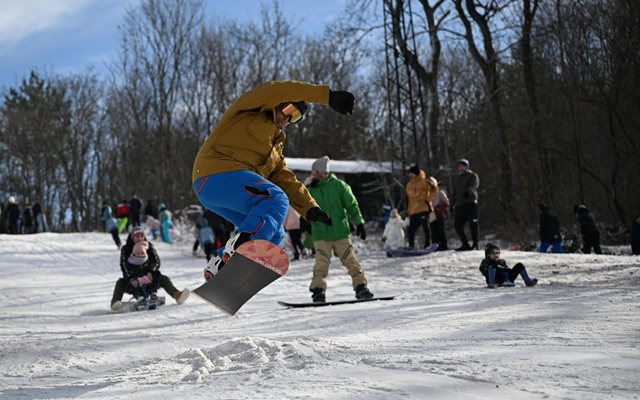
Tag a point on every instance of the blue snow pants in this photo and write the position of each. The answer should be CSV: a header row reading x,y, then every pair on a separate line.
x,y
247,200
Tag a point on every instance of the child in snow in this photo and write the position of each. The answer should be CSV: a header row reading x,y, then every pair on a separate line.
x,y
393,234
140,267
497,273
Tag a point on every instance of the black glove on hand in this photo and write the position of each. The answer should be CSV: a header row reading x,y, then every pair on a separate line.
x,y
315,214
361,232
341,101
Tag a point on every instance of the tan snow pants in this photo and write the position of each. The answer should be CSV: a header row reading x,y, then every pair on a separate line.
x,y
343,248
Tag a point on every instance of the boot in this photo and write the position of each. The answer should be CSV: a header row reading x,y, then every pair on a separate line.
x,y
362,292
318,295
116,306
527,281
465,246
181,296
233,243
491,278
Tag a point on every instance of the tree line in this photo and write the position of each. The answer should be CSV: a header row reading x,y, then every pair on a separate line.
x,y
540,95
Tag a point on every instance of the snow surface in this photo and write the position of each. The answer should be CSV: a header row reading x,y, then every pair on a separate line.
x,y
574,336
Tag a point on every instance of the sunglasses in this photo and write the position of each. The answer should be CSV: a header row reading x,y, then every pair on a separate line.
x,y
292,112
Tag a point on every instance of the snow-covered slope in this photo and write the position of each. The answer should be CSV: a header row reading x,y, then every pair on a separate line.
x,y
574,336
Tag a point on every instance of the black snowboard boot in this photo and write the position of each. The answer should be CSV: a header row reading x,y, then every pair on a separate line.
x,y
318,295
362,292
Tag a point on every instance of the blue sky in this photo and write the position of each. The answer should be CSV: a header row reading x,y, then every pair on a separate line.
x,y
65,36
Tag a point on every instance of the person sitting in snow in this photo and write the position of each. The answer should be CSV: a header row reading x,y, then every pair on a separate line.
x,y
140,267
393,234
497,273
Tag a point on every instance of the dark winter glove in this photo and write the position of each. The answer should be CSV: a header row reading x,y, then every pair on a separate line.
x,y
317,215
341,101
361,232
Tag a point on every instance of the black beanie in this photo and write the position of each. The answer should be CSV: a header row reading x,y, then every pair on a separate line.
x,y
415,169
489,248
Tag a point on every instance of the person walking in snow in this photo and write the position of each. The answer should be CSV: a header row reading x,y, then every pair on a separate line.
x,y
13,216
420,192
135,208
141,275
549,230
292,226
240,171
635,235
465,204
109,223
393,235
440,204
588,229
335,196
166,223
497,273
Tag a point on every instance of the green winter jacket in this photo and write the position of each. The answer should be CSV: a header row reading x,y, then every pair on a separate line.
x,y
334,196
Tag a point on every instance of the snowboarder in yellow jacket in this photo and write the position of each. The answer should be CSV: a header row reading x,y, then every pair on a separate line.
x,y
240,171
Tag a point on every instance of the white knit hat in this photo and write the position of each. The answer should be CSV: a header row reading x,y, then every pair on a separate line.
x,y
321,165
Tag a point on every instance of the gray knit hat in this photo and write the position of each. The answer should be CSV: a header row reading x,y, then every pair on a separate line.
x,y
321,165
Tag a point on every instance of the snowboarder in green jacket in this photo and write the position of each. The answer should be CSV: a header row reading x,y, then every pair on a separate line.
x,y
335,197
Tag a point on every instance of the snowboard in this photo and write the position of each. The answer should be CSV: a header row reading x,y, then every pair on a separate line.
x,y
253,266
333,303
404,252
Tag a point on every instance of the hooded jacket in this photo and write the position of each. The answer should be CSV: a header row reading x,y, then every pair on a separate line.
x,y
420,192
129,270
335,197
247,138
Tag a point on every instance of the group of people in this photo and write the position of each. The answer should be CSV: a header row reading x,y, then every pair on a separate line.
x,y
128,215
29,219
240,174
428,206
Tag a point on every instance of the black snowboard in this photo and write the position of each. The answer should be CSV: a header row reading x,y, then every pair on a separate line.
x,y
252,267
332,303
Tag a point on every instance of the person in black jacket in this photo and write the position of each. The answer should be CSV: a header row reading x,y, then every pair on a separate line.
x,y
135,207
497,273
549,230
588,229
13,215
140,267
464,204
635,236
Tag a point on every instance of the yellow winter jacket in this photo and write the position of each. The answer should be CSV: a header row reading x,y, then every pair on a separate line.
x,y
420,192
245,138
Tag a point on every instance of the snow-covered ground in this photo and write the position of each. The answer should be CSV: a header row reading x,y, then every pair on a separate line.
x,y
574,336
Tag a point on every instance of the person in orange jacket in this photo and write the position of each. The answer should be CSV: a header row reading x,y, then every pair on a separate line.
x,y
420,192
240,171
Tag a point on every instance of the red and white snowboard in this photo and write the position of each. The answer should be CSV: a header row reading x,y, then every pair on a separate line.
x,y
253,266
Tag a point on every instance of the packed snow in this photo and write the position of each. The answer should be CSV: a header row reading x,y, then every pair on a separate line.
x,y
446,336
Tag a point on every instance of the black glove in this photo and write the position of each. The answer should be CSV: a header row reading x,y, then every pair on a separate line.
x,y
361,232
315,214
341,101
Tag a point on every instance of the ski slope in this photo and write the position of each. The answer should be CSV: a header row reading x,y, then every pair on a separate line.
x,y
574,336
